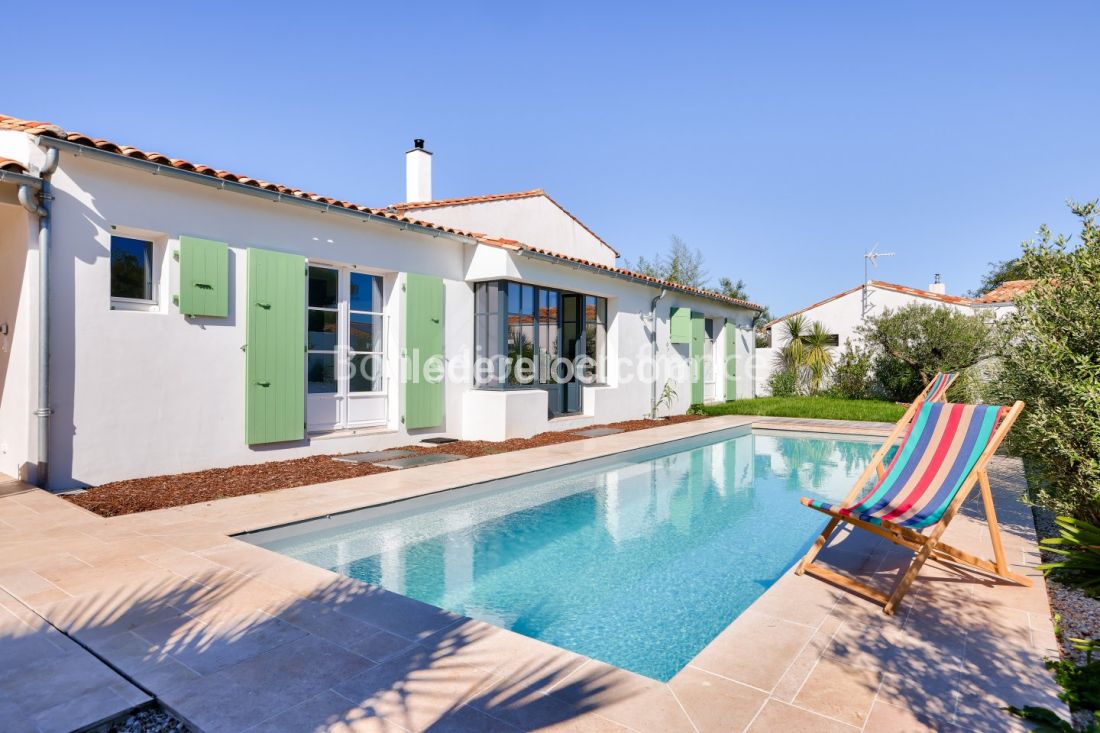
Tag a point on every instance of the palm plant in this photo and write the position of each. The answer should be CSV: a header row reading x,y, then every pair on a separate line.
x,y
807,353
1078,545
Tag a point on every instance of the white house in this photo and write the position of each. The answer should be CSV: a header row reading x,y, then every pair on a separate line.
x,y
185,317
843,313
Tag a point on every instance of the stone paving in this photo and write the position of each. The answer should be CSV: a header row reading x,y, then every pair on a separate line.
x,y
232,637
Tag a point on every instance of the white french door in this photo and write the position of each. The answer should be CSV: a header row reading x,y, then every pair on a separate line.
x,y
346,382
710,388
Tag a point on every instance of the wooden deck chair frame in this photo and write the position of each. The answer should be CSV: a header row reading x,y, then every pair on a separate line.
x,y
921,398
925,546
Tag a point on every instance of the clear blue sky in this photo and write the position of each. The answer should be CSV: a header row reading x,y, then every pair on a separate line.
x,y
781,138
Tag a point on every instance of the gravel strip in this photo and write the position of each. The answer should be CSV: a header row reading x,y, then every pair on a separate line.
x,y
154,719
160,492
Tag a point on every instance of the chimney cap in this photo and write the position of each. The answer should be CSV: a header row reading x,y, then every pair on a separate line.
x,y
418,146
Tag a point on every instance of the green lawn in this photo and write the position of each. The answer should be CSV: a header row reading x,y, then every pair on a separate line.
x,y
817,407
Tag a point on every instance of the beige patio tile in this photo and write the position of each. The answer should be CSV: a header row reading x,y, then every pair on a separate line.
x,y
413,690
756,649
503,653
637,702
522,701
241,695
328,712
779,716
840,691
715,704
800,599
885,718
789,685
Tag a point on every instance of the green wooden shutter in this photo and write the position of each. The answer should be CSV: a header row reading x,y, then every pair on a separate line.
x,y
423,342
679,323
204,277
698,335
275,395
731,361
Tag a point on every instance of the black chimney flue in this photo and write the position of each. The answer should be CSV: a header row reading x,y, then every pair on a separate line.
x,y
418,143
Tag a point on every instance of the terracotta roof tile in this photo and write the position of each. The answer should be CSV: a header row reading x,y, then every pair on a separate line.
x,y
927,294
405,206
13,166
46,129
1008,291
512,244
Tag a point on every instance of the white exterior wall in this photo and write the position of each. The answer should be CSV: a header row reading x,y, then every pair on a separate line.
x,y
18,358
496,415
139,393
534,220
841,316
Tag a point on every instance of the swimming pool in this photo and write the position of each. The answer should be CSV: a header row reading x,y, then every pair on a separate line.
x,y
637,559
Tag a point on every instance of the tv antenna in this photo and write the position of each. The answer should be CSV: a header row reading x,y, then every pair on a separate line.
x,y
870,258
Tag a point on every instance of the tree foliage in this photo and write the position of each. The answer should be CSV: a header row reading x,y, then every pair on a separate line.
x,y
925,339
1052,362
682,265
687,266
1000,273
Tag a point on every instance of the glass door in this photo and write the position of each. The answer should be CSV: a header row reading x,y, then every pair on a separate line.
x,y
710,384
323,398
345,366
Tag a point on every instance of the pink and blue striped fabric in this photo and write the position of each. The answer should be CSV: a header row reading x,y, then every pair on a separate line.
x,y
939,451
937,391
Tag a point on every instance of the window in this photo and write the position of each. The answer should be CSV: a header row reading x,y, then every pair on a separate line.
x,y
833,339
520,331
131,269
595,325
345,366
365,333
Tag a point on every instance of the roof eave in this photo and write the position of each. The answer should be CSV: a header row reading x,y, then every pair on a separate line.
x,y
363,214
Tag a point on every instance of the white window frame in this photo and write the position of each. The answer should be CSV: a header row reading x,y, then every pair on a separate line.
x,y
157,253
343,352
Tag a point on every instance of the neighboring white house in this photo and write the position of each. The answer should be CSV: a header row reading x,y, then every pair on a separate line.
x,y
199,318
843,313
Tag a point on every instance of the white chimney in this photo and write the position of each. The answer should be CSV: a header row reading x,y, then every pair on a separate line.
x,y
418,173
938,286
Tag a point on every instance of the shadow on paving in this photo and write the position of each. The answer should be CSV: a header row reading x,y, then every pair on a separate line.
x,y
962,645
220,656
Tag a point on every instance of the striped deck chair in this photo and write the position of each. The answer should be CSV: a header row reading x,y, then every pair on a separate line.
x,y
945,451
934,391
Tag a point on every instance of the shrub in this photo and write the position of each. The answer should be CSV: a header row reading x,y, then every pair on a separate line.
x,y
852,374
894,380
914,342
1052,362
783,383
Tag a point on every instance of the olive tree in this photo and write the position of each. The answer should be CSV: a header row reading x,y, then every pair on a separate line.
x,y
1052,362
918,340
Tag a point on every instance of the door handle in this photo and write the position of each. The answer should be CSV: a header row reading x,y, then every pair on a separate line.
x,y
265,306
263,384
204,286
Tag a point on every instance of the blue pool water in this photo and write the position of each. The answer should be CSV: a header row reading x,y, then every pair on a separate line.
x,y
637,559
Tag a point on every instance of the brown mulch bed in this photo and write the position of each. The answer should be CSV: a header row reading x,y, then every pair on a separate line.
x,y
161,492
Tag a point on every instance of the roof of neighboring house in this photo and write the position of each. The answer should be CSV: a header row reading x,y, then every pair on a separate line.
x,y
640,277
7,164
1007,292
916,292
491,197
49,130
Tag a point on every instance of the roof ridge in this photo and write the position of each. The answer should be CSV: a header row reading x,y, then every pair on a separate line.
x,y
461,200
489,197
